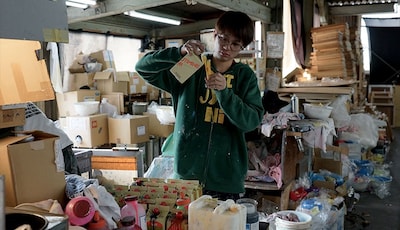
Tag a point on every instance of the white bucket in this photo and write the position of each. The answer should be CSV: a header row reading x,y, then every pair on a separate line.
x,y
304,224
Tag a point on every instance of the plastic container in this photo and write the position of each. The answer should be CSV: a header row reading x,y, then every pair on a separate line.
x,y
252,218
208,213
106,107
138,108
317,111
305,221
80,210
133,208
86,108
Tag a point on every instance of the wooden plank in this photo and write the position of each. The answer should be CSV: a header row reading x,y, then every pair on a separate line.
x,y
114,163
290,158
343,27
327,45
328,55
318,90
335,63
329,35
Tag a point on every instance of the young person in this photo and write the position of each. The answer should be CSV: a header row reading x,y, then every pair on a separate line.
x,y
213,108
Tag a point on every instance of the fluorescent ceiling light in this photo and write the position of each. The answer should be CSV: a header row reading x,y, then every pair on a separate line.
x,y
153,18
80,3
87,2
77,5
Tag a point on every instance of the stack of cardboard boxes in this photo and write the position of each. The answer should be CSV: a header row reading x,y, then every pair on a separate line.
x,y
98,129
27,160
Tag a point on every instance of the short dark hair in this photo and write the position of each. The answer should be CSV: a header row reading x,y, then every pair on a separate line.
x,y
238,24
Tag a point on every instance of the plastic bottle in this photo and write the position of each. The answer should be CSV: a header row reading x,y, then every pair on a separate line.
x,y
80,210
295,103
106,107
128,223
133,208
252,218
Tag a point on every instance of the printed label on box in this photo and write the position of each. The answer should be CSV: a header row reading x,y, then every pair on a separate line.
x,y
141,130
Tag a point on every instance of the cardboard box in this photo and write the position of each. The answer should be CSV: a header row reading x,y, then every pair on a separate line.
x,y
65,101
116,99
30,170
76,67
11,117
87,131
108,82
82,79
105,57
138,85
333,163
23,77
129,130
156,128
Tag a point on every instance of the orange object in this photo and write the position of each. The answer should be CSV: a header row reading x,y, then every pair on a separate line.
x,y
97,223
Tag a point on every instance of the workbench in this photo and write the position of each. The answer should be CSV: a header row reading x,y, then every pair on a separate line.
x,y
128,159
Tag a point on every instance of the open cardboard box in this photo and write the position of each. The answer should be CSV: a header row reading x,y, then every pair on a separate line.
x,y
30,171
332,164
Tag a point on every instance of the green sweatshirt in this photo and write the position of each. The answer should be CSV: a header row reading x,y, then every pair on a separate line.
x,y
209,142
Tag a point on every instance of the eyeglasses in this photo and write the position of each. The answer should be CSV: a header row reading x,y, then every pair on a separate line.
x,y
224,41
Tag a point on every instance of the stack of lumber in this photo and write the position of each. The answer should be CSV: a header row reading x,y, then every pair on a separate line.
x,y
332,54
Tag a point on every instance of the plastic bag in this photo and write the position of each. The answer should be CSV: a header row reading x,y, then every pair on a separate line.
x,y
105,203
366,129
339,114
165,114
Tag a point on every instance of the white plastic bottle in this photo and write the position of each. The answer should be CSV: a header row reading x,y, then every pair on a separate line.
x,y
106,107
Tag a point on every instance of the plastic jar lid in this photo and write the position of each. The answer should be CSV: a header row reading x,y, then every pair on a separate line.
x,y
250,208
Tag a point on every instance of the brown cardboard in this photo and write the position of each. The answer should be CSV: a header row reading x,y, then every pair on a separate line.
x,y
11,117
76,67
331,164
87,131
82,79
138,85
23,77
156,128
65,101
30,172
116,99
107,82
129,130
105,57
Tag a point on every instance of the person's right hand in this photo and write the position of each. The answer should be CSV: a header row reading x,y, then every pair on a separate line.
x,y
193,47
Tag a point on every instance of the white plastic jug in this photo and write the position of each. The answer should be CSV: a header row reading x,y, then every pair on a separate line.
x,y
106,107
209,213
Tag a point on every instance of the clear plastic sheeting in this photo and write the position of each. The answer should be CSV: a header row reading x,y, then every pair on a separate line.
x,y
161,167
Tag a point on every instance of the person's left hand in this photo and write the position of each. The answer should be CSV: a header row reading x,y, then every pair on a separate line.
x,y
193,47
216,81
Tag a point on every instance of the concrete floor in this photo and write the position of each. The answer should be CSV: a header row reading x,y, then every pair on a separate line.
x,y
380,213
